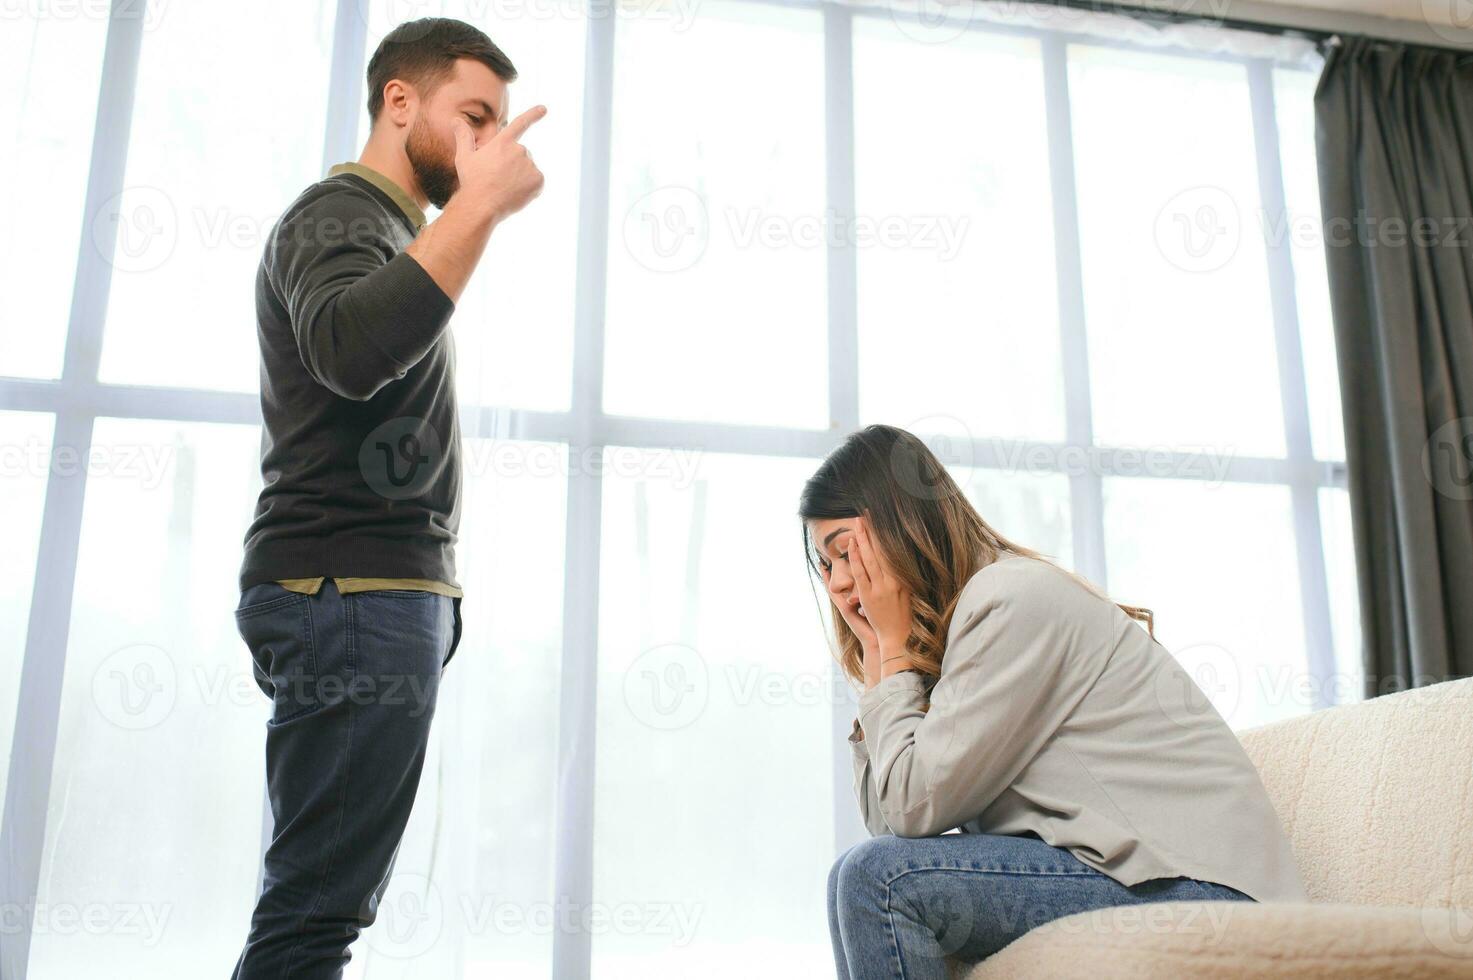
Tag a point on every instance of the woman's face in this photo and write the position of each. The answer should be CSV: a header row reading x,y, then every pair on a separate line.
x,y
831,542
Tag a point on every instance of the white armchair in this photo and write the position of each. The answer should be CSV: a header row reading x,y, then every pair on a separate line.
x,y
1377,799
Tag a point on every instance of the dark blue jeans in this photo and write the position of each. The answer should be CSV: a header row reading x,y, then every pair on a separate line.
x,y
899,906
353,681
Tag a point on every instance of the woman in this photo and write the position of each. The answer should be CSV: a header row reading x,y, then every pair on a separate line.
x,y
1006,697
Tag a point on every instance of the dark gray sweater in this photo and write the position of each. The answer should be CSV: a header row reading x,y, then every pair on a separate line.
x,y
360,450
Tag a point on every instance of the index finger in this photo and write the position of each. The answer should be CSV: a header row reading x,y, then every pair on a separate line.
x,y
859,565
522,123
872,564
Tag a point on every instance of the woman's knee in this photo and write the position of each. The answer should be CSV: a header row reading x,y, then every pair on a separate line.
x,y
866,868
834,875
836,871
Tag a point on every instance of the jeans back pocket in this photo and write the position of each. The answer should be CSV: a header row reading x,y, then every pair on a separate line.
x,y
278,631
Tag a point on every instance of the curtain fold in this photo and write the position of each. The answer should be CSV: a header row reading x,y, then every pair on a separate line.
x,y
1394,135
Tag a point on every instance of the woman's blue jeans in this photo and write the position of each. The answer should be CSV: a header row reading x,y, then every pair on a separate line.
x,y
898,907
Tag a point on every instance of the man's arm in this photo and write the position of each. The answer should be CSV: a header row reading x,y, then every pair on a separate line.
x,y
360,322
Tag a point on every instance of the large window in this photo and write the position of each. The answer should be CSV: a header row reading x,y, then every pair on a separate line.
x,y
50,69
1075,264
514,330
192,217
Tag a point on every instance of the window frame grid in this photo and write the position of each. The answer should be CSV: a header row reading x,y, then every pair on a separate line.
x,y
75,403
77,399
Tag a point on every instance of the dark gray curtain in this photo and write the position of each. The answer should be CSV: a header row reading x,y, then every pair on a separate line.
x,y
1395,146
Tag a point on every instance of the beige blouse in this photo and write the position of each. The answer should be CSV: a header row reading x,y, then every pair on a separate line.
x,y
1056,713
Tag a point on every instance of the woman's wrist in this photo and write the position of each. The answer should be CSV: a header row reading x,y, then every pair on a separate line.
x,y
892,647
894,659
888,656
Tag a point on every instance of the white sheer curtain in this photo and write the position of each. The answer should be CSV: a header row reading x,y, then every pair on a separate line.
x,y
1151,25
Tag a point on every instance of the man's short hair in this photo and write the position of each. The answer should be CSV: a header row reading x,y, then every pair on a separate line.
x,y
424,52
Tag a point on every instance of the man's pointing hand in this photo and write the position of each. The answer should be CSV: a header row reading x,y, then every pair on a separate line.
x,y
500,172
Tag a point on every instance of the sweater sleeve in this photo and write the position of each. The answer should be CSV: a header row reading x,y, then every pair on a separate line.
x,y
1006,686
362,314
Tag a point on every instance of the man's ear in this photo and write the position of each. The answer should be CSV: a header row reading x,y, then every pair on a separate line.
x,y
399,103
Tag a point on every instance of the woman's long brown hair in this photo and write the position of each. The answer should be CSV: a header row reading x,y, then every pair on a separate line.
x,y
927,529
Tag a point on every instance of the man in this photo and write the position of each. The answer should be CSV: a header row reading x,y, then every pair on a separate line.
x,y
349,601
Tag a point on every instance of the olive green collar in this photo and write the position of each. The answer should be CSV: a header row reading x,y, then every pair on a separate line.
x,y
412,211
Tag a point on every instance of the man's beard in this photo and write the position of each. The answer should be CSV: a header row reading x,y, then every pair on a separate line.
x,y
433,165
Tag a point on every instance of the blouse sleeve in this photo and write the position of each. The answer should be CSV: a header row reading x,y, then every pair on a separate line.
x,y
864,787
